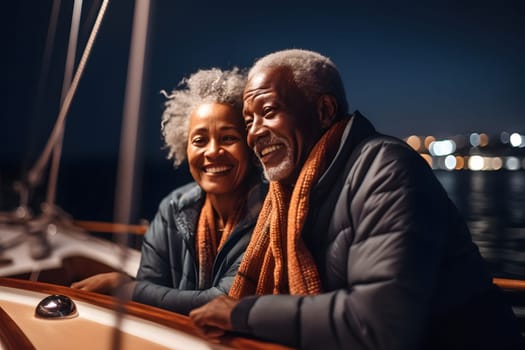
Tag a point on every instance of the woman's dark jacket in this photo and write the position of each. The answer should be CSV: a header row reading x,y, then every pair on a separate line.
x,y
168,273
398,267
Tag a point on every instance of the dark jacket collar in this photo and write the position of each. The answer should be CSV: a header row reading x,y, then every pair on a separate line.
x,y
358,129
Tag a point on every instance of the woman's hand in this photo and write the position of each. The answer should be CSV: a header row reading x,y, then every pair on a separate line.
x,y
105,283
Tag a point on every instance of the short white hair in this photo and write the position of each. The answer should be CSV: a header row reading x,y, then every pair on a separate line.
x,y
204,86
313,73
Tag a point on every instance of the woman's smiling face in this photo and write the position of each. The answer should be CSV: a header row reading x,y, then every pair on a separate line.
x,y
218,155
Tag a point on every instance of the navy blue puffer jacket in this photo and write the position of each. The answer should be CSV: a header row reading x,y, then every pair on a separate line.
x,y
168,273
398,266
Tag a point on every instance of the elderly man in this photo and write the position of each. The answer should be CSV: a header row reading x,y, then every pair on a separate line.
x,y
357,245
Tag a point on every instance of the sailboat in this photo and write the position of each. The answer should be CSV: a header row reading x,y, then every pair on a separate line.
x,y
41,255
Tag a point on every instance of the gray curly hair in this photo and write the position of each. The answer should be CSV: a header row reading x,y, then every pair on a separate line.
x,y
204,86
313,73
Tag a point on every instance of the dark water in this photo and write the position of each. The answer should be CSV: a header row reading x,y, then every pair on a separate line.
x,y
493,203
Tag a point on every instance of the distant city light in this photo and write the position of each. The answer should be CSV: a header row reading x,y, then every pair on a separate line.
x,y
428,141
504,137
460,163
414,142
512,163
450,162
472,151
496,163
516,140
476,163
483,140
442,148
474,139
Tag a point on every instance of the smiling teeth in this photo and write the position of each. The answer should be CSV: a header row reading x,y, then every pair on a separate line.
x,y
269,149
217,169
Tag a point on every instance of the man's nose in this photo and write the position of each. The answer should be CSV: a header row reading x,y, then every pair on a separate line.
x,y
257,127
256,130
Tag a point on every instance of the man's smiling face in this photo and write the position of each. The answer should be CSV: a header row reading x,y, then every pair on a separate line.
x,y
282,124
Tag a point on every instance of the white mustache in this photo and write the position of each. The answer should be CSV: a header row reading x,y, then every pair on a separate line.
x,y
267,145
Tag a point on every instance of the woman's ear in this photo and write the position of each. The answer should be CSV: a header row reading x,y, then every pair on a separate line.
x,y
326,110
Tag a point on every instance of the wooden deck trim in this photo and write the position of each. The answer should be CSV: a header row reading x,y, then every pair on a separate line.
x,y
11,336
150,313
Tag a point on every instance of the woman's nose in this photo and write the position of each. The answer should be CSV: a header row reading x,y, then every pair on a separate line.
x,y
214,148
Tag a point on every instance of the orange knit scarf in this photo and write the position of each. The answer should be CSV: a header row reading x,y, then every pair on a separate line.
x,y
277,260
209,240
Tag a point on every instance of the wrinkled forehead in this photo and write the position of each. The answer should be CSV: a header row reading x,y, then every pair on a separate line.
x,y
276,80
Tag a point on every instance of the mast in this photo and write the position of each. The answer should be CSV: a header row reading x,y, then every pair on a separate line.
x,y
127,171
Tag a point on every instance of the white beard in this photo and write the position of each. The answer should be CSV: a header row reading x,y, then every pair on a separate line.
x,y
282,170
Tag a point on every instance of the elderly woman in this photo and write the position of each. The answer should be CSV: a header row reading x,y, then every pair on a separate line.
x,y
193,247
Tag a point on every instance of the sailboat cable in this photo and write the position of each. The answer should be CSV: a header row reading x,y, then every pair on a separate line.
x,y
19,187
35,173
70,63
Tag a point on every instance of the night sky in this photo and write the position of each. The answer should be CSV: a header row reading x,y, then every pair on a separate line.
x,y
420,67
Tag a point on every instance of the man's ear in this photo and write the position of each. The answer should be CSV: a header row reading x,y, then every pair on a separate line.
x,y
326,110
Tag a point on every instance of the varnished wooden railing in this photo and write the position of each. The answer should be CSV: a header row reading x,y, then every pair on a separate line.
x,y
510,284
110,227
146,312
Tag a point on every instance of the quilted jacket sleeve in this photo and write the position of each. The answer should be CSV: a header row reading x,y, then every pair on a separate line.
x,y
156,285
